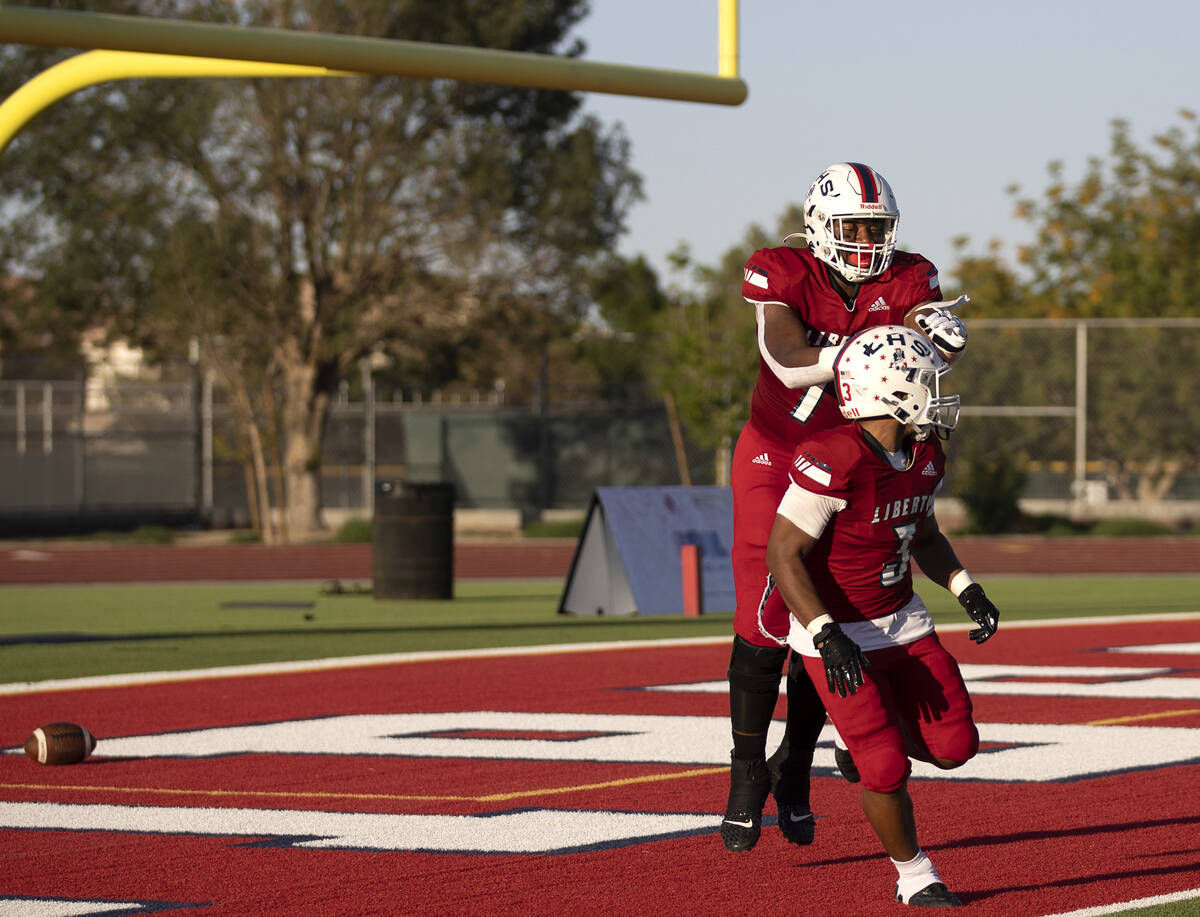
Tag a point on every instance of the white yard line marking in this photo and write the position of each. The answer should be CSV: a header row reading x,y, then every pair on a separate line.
x,y
1100,909
350,662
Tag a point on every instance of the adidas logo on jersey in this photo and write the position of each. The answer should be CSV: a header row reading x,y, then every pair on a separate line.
x,y
763,459
878,306
929,469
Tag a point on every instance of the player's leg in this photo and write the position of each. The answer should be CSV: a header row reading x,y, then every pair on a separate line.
x,y
891,818
754,673
844,760
756,660
868,722
917,880
934,706
805,719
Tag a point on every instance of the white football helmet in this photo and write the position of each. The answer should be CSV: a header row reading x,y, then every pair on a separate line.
x,y
893,371
851,191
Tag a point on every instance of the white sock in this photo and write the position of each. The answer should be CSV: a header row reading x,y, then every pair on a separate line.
x,y
916,874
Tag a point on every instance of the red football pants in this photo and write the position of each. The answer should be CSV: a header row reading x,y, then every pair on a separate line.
x,y
915,689
758,478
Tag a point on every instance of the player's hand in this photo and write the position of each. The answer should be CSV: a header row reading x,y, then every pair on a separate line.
x,y
981,610
945,329
844,661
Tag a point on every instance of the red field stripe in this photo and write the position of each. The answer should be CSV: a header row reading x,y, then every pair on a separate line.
x,y
531,558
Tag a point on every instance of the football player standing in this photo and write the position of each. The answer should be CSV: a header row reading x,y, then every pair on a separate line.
x,y
809,302
858,509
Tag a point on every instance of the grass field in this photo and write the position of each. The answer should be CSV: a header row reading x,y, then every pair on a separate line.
x,y
70,631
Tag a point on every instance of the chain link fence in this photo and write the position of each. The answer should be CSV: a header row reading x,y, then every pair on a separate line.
x,y
1098,416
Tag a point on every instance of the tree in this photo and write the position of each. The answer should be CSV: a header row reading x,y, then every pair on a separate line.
x,y
619,345
710,355
294,226
1125,243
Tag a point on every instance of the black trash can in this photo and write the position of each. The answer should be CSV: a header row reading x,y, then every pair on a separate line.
x,y
412,534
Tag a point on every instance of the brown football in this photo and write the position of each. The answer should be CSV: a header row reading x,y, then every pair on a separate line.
x,y
59,743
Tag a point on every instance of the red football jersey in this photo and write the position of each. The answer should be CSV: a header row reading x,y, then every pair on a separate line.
x,y
860,565
796,278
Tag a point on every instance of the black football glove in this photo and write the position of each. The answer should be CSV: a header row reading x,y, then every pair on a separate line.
x,y
981,610
844,661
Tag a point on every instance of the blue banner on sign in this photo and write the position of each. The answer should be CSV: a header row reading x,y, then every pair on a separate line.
x,y
627,559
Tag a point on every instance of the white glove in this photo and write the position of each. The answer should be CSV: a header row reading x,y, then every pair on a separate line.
x,y
938,322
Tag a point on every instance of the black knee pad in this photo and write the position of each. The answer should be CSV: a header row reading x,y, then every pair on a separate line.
x,y
756,669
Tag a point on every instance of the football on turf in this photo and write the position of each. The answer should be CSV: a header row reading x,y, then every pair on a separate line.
x,y
59,743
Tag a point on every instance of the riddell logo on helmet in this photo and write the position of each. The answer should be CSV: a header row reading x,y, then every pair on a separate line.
x,y
872,205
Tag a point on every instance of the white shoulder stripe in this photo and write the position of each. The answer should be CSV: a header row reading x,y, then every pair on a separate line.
x,y
808,511
809,470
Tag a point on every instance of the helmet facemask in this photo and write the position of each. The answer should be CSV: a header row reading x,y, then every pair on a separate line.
x,y
859,261
921,405
851,191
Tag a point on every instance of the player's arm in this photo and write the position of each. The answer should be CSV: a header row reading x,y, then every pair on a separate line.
x,y
786,547
783,343
935,555
936,320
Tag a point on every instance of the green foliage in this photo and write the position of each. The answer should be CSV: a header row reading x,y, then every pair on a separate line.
x,y
709,344
996,290
553,528
1124,240
1130,527
629,303
355,530
1055,526
989,486
294,226
143,534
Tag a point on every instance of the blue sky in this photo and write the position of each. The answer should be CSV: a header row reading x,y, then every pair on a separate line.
x,y
952,102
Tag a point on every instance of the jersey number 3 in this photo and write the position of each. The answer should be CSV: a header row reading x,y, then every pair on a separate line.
x,y
894,571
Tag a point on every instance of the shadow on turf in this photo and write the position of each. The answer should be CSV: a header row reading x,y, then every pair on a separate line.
x,y
983,894
984,840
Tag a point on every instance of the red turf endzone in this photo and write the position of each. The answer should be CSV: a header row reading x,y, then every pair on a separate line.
x,y
1010,849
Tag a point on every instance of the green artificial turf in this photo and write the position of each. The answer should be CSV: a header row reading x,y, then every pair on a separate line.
x,y
69,631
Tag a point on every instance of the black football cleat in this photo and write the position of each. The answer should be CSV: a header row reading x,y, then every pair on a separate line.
x,y
845,764
749,785
935,895
796,820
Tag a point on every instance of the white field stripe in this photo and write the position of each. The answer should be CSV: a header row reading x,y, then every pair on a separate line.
x,y
66,907
338,662
524,831
351,662
1100,909
1188,649
1025,751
